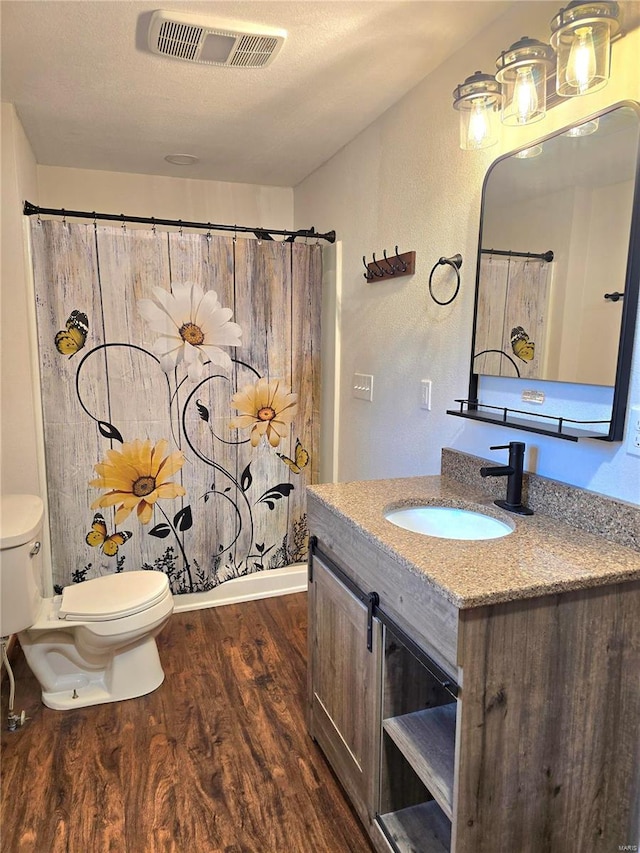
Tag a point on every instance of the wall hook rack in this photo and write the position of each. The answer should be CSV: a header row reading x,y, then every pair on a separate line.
x,y
397,265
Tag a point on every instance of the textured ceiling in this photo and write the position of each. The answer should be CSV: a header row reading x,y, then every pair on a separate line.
x,y
91,95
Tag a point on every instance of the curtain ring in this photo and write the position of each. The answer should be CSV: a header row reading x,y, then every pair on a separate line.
x,y
153,224
124,225
180,227
235,233
64,218
95,223
455,262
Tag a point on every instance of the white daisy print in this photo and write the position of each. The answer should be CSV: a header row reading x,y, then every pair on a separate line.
x,y
193,326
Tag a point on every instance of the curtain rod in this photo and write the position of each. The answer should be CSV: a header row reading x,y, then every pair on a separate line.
x,y
261,233
543,256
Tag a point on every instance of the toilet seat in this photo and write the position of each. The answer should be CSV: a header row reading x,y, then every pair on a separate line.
x,y
113,596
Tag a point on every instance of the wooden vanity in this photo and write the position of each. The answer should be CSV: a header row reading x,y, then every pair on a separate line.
x,y
476,697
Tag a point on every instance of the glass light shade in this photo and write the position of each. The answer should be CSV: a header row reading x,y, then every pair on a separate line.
x,y
478,101
529,153
584,129
522,74
581,36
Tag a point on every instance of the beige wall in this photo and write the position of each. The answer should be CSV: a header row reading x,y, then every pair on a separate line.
x,y
169,198
18,457
405,181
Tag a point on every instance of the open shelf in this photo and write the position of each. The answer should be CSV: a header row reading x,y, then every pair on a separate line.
x,y
422,828
426,738
555,425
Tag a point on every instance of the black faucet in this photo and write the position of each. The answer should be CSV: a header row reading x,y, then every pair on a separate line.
x,y
514,473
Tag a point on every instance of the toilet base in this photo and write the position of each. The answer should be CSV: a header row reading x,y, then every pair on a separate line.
x,y
130,673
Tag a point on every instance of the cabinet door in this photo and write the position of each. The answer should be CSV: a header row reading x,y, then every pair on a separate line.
x,y
344,686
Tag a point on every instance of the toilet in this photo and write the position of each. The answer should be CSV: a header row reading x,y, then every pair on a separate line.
x,y
95,643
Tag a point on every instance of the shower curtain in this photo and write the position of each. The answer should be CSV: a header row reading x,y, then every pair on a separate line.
x,y
512,317
180,387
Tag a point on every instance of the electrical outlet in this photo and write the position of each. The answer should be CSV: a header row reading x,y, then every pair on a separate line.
x,y
363,386
633,435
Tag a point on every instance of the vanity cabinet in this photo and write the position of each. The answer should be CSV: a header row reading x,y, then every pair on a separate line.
x,y
490,729
344,681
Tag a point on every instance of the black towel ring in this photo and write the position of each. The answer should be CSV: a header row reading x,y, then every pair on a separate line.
x,y
454,261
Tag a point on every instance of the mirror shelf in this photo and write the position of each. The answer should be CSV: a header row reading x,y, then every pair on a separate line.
x,y
556,425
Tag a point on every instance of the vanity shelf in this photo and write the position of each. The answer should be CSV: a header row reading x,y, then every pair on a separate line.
x,y
426,738
423,828
557,426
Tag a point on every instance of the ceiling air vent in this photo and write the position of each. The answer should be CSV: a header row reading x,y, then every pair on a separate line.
x,y
195,38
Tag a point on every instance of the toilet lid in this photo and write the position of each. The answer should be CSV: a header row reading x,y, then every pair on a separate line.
x,y
113,596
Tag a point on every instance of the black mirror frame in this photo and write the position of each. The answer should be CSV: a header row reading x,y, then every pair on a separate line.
x,y
558,426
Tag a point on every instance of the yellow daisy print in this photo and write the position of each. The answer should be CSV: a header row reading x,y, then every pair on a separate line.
x,y
267,408
137,477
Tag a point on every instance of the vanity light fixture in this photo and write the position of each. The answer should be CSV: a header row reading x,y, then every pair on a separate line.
x,y
581,37
522,74
478,100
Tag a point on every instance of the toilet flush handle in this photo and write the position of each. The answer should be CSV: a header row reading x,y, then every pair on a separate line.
x,y
35,549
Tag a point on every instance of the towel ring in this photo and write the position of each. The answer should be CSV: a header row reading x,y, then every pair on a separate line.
x,y
454,261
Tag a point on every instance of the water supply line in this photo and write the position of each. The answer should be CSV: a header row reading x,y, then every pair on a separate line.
x,y
14,721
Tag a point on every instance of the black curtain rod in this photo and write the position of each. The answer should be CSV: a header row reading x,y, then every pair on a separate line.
x,y
261,233
543,256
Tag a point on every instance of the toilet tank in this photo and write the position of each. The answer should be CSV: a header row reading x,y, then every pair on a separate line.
x,y
20,561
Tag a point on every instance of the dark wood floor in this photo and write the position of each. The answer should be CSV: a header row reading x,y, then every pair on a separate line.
x,y
217,759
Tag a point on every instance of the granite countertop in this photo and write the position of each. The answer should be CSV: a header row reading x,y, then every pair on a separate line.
x,y
541,556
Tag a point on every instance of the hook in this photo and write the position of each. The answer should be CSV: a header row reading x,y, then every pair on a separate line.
x,y
95,222
123,226
180,227
392,269
153,224
235,234
382,272
64,218
368,274
403,268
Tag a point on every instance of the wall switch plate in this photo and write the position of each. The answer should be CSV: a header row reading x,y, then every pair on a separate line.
x,y
633,434
363,386
425,394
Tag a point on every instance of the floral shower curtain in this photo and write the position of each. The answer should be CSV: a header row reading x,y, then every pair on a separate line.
x,y
180,387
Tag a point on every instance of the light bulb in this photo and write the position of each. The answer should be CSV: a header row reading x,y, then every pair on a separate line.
x,y
525,97
478,129
581,65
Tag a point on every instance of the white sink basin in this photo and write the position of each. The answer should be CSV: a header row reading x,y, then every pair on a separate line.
x,y
447,522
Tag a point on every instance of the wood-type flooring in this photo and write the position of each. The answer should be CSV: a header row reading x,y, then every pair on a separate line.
x,y
217,760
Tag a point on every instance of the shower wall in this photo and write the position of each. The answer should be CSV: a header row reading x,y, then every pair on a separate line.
x,y
195,470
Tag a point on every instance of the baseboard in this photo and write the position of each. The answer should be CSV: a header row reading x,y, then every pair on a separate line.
x,y
267,584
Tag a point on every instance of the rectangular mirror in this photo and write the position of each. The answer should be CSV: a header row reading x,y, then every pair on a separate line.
x,y
558,265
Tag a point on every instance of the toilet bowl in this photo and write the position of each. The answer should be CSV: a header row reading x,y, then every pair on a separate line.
x,y
95,643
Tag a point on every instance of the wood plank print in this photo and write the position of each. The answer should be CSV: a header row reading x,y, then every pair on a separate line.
x,y
228,451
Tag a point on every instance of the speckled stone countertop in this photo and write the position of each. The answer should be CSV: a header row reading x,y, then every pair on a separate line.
x,y
541,556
